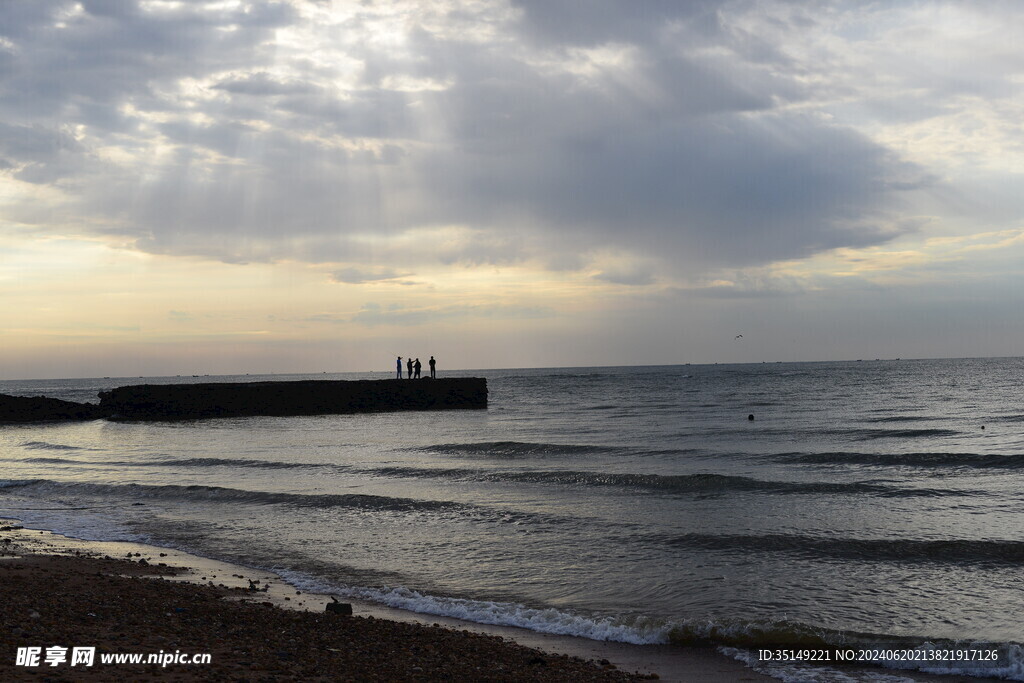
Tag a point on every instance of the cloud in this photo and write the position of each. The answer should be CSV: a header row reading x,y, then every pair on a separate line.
x,y
263,84
373,314
696,134
357,276
603,21
40,155
627,273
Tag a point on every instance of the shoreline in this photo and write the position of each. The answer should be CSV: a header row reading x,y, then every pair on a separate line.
x,y
242,584
232,583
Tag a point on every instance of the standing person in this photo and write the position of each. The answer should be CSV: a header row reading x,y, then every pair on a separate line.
x,y
432,363
408,364
399,367
418,366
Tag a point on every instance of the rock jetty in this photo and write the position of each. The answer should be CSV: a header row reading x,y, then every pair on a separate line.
x,y
238,399
308,397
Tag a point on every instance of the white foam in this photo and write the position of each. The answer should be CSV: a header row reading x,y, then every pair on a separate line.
x,y
1011,662
641,631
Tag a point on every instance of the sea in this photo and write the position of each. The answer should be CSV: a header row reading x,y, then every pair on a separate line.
x,y
869,505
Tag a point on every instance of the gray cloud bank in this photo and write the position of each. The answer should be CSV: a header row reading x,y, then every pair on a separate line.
x,y
551,130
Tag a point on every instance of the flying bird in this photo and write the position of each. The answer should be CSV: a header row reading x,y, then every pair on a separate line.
x,y
738,336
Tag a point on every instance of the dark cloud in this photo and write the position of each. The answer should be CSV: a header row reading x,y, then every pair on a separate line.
x,y
119,9
38,154
114,53
593,22
579,127
728,191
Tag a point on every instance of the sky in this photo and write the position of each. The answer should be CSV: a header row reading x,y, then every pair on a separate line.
x,y
232,186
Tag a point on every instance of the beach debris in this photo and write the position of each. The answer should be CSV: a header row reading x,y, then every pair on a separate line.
x,y
342,608
255,588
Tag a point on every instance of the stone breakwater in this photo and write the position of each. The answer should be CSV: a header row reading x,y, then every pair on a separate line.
x,y
42,409
213,399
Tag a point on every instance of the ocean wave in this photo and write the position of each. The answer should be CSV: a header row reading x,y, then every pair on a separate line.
x,y
188,462
898,551
512,449
639,631
703,483
16,483
900,418
685,483
240,462
954,460
220,494
872,434
764,633
735,638
51,461
45,446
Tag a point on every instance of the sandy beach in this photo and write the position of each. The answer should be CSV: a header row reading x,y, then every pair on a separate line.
x,y
124,598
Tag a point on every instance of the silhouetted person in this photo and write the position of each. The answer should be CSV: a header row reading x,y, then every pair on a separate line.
x,y
432,363
417,365
399,367
408,364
